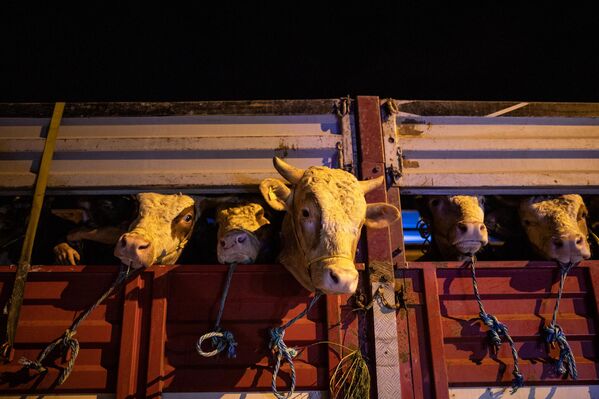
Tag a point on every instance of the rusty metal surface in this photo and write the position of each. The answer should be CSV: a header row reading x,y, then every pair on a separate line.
x,y
106,109
483,108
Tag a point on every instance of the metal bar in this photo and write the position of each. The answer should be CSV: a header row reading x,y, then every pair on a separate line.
x,y
379,252
18,290
436,334
130,349
155,376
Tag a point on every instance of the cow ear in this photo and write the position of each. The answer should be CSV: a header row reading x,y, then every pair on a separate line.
x,y
275,192
260,218
380,215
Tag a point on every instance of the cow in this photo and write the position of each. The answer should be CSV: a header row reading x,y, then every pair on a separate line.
x,y
549,227
556,226
161,230
243,231
456,225
325,211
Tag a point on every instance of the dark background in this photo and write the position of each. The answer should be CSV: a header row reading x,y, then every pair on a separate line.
x,y
405,50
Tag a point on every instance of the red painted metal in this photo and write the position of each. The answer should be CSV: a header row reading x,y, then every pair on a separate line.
x,y
521,294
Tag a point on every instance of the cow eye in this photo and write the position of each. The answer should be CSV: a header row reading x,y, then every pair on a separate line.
x,y
305,213
187,218
526,222
435,202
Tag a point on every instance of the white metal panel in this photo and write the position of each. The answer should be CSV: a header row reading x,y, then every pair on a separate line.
x,y
501,154
536,392
198,153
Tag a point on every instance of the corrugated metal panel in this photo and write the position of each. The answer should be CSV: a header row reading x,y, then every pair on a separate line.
x,y
196,153
500,154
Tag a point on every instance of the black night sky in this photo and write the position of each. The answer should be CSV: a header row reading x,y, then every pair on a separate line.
x,y
405,50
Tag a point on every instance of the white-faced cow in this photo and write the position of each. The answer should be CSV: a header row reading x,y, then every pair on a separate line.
x,y
325,213
241,233
456,224
556,226
160,232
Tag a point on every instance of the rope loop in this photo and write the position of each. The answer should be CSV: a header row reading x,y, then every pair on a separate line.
x,y
496,331
67,340
221,339
278,346
553,333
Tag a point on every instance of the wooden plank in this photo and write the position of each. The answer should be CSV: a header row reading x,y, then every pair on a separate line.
x,y
436,334
18,288
379,252
594,277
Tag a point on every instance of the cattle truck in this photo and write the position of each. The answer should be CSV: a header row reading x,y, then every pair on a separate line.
x,y
424,341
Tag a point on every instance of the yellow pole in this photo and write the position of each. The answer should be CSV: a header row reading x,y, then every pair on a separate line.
x,y
16,298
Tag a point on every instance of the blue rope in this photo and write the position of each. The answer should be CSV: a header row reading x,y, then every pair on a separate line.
x,y
496,331
553,333
277,344
221,339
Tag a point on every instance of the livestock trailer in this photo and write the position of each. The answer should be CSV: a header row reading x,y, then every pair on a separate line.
x,y
423,341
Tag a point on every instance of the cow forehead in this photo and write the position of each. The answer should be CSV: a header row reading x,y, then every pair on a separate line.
x,y
336,191
240,217
161,206
546,206
469,207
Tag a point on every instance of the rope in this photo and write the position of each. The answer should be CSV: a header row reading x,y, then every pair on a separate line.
x,y
496,331
221,339
553,333
277,344
67,340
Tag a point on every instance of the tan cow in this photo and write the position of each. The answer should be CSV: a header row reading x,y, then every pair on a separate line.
x,y
456,224
163,226
240,231
325,213
556,226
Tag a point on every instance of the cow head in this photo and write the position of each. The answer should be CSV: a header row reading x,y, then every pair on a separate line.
x,y
456,223
163,226
325,213
556,226
238,225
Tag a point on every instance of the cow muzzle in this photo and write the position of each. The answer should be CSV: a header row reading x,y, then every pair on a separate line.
x,y
134,250
238,246
335,276
569,249
470,237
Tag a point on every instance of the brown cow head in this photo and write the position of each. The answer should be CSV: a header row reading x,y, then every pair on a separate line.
x,y
456,223
238,225
325,213
556,226
160,232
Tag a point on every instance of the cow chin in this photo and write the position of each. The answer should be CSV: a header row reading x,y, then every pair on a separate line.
x,y
468,248
225,257
335,276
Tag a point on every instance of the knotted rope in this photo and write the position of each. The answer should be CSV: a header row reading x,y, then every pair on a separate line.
x,y
67,341
277,344
554,333
221,339
496,331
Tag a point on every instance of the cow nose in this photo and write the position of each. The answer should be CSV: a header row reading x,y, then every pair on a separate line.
x,y
472,231
134,248
571,248
232,239
339,279
334,277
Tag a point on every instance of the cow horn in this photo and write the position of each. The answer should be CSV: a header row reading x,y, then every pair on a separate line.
x,y
290,173
369,185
